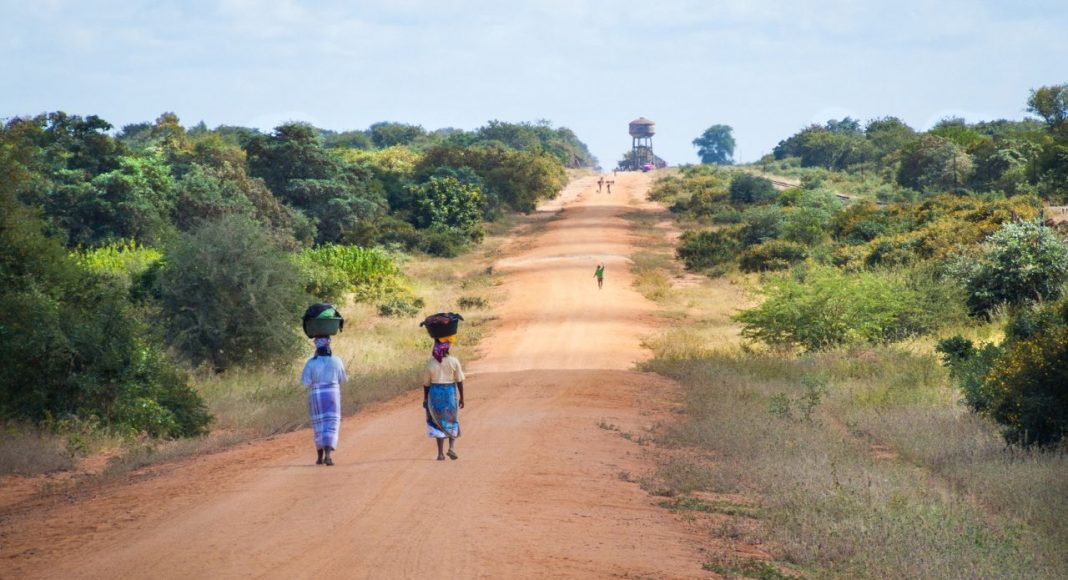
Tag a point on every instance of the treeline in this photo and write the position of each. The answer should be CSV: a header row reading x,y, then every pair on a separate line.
x,y
947,254
1008,157
128,257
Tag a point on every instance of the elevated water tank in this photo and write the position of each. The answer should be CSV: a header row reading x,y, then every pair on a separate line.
x,y
642,127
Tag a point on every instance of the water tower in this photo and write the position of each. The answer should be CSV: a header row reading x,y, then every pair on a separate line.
x,y
641,133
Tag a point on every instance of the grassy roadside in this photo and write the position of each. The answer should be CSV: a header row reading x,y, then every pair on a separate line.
x,y
854,463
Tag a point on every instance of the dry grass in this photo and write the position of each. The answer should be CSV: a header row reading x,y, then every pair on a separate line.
x,y
25,450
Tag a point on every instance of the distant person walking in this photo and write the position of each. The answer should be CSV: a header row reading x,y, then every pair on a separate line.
x,y
600,182
599,274
443,379
324,374
609,184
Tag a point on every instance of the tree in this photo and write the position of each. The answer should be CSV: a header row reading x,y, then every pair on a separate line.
x,y
934,164
388,134
1051,103
450,206
747,188
716,145
229,297
1020,263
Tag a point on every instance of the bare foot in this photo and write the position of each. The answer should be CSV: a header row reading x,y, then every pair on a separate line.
x,y
441,458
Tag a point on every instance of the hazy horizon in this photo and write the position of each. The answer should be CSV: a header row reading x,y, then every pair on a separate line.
x,y
767,70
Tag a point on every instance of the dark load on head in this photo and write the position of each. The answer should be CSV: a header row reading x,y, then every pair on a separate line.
x,y
322,320
442,324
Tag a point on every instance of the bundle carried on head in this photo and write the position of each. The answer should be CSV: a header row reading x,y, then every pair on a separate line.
x,y
322,320
442,326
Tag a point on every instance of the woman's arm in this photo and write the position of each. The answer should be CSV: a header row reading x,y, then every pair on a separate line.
x,y
460,387
426,393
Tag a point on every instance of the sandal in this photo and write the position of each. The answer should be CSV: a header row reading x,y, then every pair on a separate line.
x,y
452,454
328,461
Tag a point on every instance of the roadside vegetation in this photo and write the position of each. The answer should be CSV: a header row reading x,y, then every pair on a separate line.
x,y
153,278
884,396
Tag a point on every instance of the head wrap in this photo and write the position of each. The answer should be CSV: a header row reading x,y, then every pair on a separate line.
x,y
441,350
322,346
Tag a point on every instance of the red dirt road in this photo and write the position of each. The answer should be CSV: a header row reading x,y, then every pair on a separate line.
x,y
536,493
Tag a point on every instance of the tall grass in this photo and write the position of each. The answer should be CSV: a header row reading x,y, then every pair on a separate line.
x,y
887,479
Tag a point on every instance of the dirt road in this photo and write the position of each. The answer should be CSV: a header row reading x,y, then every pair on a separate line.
x,y
536,493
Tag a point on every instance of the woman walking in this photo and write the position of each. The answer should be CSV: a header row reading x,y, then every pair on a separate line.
x,y
324,374
442,381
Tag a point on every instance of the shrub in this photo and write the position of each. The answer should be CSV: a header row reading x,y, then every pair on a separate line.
x,y
760,224
707,249
1022,383
747,188
826,308
1021,262
229,297
772,255
335,270
406,306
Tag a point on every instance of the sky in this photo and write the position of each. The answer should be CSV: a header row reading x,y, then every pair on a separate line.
x,y
767,69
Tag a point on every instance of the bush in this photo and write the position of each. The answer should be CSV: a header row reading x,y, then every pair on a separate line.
x,y
406,306
1020,263
772,255
71,344
747,188
1022,383
229,297
707,249
760,224
334,270
825,308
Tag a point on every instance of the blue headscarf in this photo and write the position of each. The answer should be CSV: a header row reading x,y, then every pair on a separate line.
x,y
322,346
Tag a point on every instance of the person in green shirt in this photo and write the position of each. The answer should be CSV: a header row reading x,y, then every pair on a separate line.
x,y
599,274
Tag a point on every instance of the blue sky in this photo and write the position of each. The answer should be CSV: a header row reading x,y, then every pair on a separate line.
x,y
765,68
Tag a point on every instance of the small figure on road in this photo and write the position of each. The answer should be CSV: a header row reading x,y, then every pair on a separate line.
x,y
609,184
443,380
600,182
324,374
599,274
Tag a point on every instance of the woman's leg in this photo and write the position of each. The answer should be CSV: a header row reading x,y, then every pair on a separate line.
x,y
452,452
441,448
326,457
319,452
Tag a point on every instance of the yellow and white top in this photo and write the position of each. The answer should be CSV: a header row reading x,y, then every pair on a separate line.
x,y
444,372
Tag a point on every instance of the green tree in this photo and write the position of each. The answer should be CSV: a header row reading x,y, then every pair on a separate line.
x,y
229,297
1051,103
716,145
747,188
1020,263
934,164
450,206
388,134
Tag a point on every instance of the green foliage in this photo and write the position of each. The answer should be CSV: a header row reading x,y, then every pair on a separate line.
x,y
367,272
125,258
771,255
1022,383
716,145
229,297
701,250
515,179
388,134
746,188
826,308
70,344
1022,262
934,164
561,143
760,224
450,206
